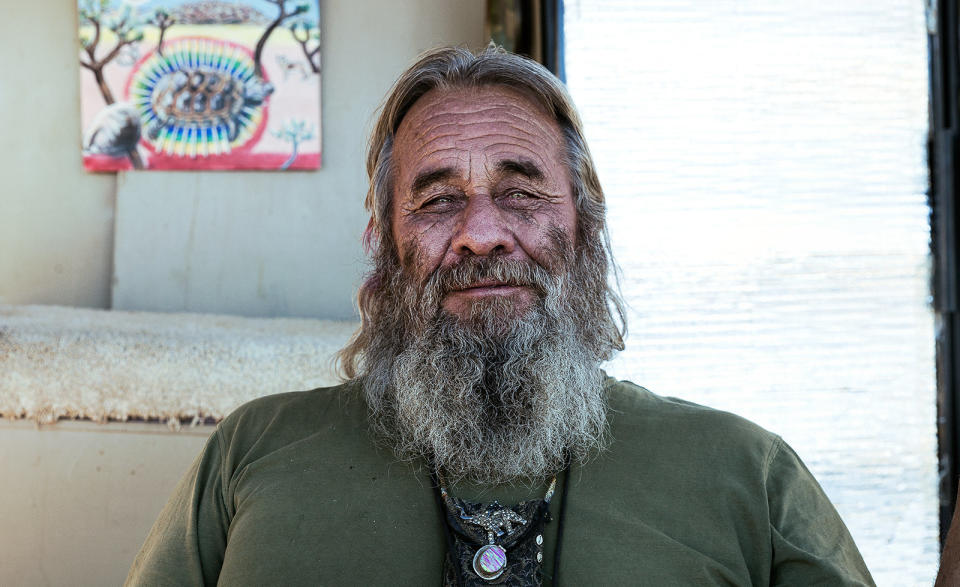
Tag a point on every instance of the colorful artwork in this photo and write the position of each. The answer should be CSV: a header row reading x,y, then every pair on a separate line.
x,y
176,84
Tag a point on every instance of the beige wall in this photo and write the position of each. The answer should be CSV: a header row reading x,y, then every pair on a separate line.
x,y
57,221
78,498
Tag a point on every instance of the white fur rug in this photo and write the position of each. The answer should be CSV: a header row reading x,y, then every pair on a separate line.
x,y
101,365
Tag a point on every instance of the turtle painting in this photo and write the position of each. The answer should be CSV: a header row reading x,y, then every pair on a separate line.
x,y
200,98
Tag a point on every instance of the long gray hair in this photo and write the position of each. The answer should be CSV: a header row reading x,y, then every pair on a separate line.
x,y
450,68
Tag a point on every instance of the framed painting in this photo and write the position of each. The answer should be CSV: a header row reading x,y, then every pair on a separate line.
x,y
178,84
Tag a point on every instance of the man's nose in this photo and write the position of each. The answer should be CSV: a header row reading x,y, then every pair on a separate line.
x,y
483,230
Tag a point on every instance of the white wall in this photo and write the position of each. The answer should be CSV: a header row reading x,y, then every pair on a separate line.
x,y
249,243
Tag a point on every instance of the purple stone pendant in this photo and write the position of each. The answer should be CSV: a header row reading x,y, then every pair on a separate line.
x,y
490,562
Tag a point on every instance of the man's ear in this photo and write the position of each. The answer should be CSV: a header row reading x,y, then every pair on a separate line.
x,y
371,236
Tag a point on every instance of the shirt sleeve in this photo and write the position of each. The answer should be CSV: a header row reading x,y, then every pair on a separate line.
x,y
811,544
186,544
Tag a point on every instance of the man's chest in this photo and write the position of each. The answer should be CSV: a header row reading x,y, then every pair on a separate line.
x,y
342,523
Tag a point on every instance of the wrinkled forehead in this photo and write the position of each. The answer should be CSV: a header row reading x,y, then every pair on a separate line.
x,y
514,97
493,120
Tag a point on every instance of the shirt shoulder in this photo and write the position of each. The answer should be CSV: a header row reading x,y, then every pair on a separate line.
x,y
683,427
327,415
725,488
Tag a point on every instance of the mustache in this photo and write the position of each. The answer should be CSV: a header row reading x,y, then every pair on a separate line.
x,y
480,271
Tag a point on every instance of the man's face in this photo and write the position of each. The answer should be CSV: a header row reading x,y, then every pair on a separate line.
x,y
479,172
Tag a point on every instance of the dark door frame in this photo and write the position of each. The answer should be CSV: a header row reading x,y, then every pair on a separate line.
x,y
943,163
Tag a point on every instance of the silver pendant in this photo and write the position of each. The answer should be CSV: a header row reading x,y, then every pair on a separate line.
x,y
497,520
490,562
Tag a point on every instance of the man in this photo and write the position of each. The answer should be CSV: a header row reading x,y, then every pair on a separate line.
x,y
477,440
949,573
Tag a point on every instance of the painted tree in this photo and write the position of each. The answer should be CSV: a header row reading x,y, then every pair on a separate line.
x,y
284,14
162,20
304,34
102,17
294,132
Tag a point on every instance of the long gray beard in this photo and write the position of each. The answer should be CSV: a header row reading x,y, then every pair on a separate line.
x,y
499,397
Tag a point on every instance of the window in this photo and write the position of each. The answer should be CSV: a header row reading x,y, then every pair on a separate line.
x,y
765,169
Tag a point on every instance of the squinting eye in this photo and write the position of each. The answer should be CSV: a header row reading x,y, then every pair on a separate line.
x,y
438,200
518,195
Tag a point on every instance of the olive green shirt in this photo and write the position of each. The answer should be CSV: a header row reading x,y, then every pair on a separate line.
x,y
291,490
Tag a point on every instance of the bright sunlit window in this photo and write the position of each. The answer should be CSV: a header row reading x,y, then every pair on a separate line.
x,y
766,176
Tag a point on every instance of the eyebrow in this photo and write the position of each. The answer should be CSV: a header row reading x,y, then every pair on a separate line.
x,y
426,179
523,167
